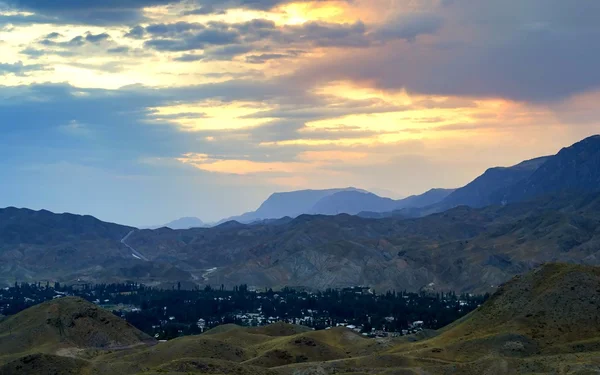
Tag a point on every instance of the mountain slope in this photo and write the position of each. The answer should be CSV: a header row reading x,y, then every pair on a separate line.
x,y
489,188
41,245
552,305
47,228
575,168
553,310
463,249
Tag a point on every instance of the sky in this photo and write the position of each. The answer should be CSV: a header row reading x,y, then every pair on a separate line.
x,y
144,111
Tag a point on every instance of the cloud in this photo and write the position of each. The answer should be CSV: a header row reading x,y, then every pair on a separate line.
x,y
269,41
190,57
348,92
409,27
195,41
137,32
19,69
117,12
537,51
208,7
90,12
264,57
87,44
97,37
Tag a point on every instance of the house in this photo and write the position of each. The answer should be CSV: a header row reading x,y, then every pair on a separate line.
x,y
201,324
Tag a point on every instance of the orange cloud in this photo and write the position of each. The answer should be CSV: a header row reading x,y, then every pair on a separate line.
x,y
241,166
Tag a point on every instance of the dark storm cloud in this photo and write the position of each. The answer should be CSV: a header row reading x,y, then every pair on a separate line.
x,y
536,51
410,27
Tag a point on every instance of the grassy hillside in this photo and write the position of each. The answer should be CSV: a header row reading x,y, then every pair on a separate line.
x,y
546,321
65,324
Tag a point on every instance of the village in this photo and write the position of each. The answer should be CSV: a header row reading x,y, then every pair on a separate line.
x,y
167,314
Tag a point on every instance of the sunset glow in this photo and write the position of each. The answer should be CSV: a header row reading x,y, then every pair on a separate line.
x,y
275,95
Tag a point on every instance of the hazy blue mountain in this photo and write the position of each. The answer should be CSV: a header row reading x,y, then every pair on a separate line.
x,y
355,202
185,223
351,202
292,204
428,198
333,202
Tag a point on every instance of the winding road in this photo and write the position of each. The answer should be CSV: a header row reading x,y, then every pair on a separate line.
x,y
136,254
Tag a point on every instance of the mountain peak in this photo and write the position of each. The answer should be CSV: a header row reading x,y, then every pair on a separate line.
x,y
185,223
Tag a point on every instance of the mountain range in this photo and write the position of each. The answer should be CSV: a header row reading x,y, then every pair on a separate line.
x,y
182,223
504,223
573,168
334,202
543,322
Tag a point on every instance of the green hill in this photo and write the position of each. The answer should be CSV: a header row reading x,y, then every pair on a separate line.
x,y
64,325
544,322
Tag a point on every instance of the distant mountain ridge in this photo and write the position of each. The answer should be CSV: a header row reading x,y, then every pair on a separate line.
x,y
333,202
575,168
185,223
463,248
286,204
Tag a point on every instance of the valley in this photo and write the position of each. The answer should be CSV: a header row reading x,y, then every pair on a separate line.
x,y
545,321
